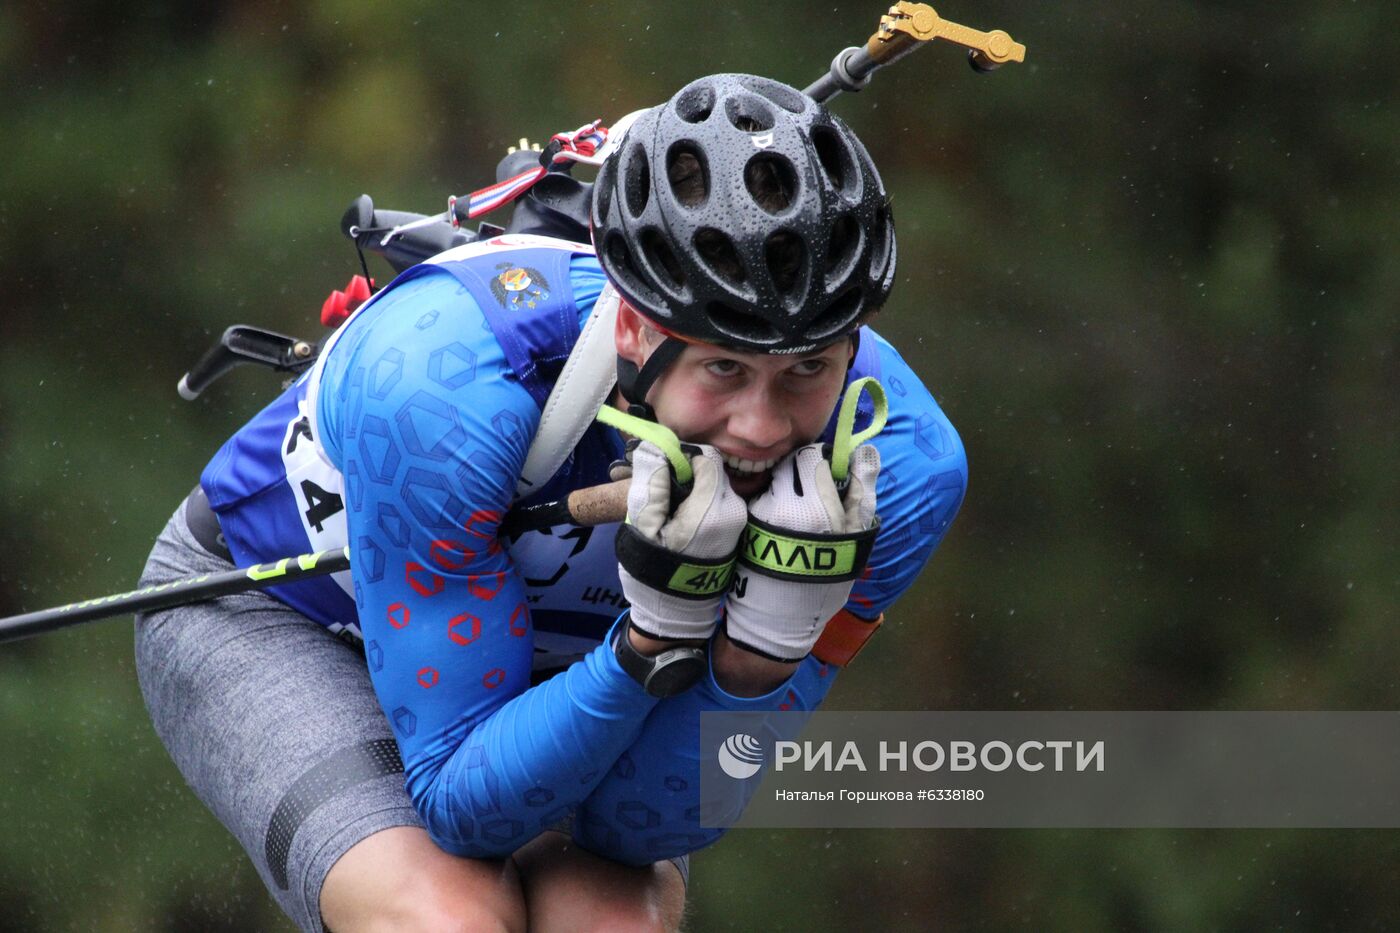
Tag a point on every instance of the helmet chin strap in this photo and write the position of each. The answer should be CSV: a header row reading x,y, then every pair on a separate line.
x,y
635,383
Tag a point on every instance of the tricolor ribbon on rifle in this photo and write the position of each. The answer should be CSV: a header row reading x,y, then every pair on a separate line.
x,y
563,147
583,143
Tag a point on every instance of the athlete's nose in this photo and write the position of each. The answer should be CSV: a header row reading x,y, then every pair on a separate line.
x,y
759,420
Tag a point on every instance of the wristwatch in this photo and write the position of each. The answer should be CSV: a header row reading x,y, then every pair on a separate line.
x,y
673,671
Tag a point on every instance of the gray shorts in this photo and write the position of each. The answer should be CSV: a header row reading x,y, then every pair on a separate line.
x,y
274,724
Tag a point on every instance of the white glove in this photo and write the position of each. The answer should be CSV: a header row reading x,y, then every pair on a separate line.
x,y
805,545
677,561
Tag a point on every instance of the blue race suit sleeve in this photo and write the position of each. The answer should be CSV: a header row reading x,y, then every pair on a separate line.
x,y
647,807
421,413
923,478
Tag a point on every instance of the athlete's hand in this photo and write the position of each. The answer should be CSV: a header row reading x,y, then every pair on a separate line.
x,y
806,543
676,559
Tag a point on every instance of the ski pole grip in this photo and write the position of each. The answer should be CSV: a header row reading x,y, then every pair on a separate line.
x,y
600,505
596,505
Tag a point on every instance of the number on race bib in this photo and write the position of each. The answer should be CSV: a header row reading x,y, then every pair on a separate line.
x,y
321,504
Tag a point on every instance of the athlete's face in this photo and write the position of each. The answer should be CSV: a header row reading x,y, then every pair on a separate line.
x,y
755,408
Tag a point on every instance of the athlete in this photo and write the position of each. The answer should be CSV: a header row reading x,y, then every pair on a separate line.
x,y
479,729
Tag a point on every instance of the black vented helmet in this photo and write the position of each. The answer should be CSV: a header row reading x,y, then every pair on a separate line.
x,y
743,213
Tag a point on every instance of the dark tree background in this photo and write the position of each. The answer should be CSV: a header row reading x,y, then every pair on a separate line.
x,y
1151,276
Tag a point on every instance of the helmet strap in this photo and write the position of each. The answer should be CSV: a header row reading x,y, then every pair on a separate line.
x,y
635,383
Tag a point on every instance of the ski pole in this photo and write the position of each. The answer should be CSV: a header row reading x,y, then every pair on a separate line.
x,y
906,27
176,593
595,505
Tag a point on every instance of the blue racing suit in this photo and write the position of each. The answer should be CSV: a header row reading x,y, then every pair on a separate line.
x,y
406,441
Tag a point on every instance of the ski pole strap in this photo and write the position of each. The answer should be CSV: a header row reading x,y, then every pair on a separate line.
x,y
671,573
660,435
806,556
845,441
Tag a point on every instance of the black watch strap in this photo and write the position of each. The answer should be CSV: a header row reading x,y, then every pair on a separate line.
x,y
673,671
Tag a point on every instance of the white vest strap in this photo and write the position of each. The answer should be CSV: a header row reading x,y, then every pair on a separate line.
x,y
583,386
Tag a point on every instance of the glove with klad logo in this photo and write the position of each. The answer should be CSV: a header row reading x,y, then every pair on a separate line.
x,y
805,544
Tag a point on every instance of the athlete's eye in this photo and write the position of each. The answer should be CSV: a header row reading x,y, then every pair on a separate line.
x,y
722,367
810,368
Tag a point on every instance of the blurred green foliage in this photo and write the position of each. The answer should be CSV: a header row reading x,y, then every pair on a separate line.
x,y
1151,275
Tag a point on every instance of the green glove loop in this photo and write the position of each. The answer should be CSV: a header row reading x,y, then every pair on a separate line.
x,y
660,435
844,441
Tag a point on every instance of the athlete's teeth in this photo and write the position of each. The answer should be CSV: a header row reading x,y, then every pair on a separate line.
x,y
749,466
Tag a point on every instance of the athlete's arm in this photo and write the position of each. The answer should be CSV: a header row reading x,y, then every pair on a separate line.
x,y
422,415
